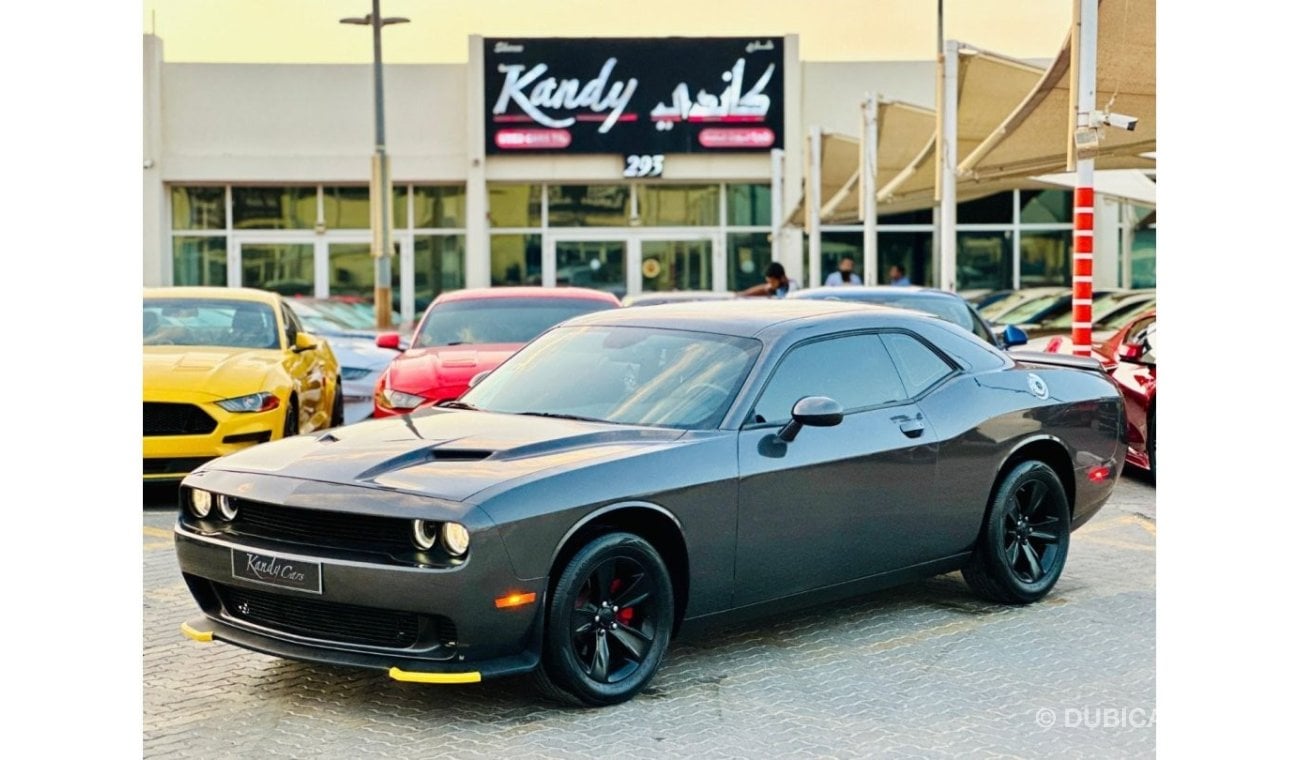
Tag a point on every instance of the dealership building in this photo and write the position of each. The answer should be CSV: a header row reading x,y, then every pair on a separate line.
x,y
624,164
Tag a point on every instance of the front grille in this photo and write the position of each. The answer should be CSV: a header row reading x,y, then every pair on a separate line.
x,y
176,419
173,466
330,621
334,530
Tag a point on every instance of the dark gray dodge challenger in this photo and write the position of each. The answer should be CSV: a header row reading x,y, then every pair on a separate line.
x,y
633,475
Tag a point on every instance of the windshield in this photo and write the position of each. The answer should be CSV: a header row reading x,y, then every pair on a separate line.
x,y
209,322
628,375
498,320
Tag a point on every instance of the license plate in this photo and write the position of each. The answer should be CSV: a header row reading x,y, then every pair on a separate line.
x,y
294,573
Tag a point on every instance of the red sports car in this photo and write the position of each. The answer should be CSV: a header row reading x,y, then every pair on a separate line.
x,y
1129,355
466,332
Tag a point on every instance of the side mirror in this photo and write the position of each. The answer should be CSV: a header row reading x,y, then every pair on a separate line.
x,y
389,340
814,411
475,380
1013,336
303,342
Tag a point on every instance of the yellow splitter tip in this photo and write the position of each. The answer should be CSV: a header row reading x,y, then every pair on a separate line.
x,y
194,633
397,674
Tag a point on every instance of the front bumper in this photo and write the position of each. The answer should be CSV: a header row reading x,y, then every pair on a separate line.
x,y
481,639
172,457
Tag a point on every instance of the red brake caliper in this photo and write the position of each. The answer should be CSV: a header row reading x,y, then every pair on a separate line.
x,y
624,615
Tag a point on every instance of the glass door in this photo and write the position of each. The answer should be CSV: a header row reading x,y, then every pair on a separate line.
x,y
286,267
598,264
676,265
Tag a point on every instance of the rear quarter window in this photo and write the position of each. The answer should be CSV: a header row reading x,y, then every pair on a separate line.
x,y
919,366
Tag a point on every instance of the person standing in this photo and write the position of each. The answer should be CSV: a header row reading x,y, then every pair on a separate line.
x,y
898,275
777,285
844,276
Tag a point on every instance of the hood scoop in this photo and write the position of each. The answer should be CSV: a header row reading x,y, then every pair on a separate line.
x,y
424,456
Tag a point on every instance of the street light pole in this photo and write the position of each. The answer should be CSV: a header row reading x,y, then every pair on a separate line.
x,y
381,183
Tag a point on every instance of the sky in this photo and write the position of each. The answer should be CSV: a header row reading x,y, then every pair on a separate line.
x,y
307,31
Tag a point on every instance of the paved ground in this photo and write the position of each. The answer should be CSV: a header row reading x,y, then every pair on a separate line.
x,y
922,671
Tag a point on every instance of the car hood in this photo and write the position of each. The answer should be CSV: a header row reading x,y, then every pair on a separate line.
x,y
445,453
423,371
207,370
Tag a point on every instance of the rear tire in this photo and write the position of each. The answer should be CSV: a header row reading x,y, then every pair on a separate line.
x,y
1151,442
1022,548
607,623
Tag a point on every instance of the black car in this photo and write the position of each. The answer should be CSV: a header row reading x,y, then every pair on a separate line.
x,y
941,303
636,474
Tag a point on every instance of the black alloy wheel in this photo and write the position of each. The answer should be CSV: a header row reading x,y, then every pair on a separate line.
x,y
291,418
336,410
608,622
1021,551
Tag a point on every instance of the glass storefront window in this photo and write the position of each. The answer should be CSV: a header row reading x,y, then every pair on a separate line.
x,y
284,268
1045,258
921,216
198,208
836,246
274,208
439,267
913,251
515,205
199,260
991,209
748,254
676,265
749,205
588,205
1046,207
516,259
352,271
347,208
1144,258
435,207
983,260
678,205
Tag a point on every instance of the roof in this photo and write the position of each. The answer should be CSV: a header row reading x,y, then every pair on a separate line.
x,y
744,317
527,291
222,293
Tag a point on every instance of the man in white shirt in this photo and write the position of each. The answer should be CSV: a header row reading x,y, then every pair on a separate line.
x,y
845,275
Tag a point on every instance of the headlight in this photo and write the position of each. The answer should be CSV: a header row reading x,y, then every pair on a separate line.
x,y
253,402
455,538
424,534
226,507
398,400
200,503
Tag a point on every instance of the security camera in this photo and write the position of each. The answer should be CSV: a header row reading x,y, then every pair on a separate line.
x,y
1117,120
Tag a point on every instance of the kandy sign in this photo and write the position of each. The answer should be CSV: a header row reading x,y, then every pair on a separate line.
x,y
633,96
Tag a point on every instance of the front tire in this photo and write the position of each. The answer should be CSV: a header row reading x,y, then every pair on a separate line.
x,y
291,419
336,410
607,623
1021,550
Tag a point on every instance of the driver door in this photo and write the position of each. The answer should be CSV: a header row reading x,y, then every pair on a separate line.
x,y
836,503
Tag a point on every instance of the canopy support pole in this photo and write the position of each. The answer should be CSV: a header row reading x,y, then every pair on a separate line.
x,y
813,206
948,171
778,205
1084,60
867,188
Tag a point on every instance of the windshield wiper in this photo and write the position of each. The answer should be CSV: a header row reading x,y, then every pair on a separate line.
x,y
453,404
556,415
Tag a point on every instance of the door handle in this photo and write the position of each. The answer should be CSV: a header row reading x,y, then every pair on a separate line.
x,y
911,427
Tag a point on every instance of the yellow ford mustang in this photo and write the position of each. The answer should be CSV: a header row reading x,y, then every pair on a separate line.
x,y
228,368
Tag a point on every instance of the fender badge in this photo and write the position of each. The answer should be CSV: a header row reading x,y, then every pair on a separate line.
x,y
1037,386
